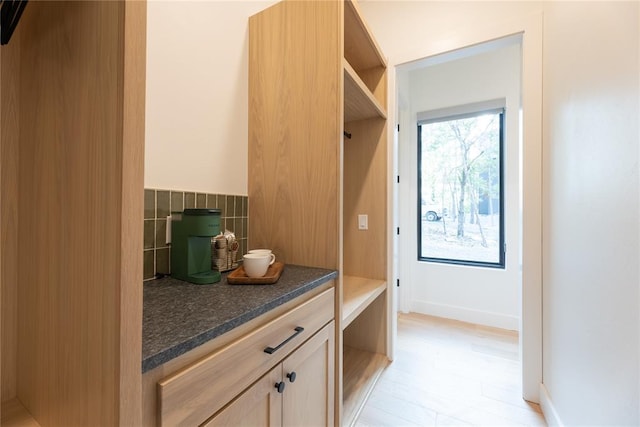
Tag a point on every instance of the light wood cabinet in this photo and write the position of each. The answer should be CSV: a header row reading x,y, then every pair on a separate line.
x,y
308,398
72,101
319,158
259,405
296,348
297,392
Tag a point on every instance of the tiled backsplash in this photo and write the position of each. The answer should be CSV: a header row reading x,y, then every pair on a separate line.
x,y
158,204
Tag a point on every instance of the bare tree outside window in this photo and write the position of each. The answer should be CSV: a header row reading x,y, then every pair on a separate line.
x,y
460,190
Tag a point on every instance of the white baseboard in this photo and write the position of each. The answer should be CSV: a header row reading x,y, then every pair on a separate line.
x,y
548,410
479,317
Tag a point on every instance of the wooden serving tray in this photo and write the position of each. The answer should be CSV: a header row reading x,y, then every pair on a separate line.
x,y
239,277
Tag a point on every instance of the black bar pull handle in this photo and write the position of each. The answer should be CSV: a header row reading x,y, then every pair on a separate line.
x,y
272,350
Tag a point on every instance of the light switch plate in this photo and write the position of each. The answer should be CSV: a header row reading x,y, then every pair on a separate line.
x,y
363,222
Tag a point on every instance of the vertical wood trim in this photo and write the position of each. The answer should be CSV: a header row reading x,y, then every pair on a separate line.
x,y
132,212
10,83
1,235
339,340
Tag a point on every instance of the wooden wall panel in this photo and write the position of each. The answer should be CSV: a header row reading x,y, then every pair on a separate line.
x,y
9,125
365,183
80,193
70,180
294,159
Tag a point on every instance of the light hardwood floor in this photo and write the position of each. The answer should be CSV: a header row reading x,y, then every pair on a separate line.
x,y
450,373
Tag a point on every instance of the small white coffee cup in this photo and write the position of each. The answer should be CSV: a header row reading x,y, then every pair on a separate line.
x,y
256,265
263,252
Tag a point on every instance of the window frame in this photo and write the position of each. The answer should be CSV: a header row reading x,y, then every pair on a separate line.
x,y
455,113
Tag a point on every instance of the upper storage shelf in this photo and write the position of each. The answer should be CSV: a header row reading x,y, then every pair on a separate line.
x,y
364,69
360,48
359,102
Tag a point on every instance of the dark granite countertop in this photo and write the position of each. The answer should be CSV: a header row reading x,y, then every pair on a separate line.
x,y
179,316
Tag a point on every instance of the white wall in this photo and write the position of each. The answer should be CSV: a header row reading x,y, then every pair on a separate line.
x,y
591,212
197,90
591,187
480,295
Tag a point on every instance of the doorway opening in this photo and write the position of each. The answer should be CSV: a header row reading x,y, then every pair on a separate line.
x,y
435,88
525,290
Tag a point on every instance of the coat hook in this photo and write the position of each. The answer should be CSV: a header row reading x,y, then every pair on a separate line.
x,y
347,134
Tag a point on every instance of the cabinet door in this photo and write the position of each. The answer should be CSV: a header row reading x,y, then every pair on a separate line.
x,y
309,398
259,405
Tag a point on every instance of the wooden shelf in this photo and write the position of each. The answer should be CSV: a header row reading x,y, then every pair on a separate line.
x,y
359,102
358,293
362,369
15,415
360,48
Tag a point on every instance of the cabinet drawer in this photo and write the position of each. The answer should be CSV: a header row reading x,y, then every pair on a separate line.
x,y
193,394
